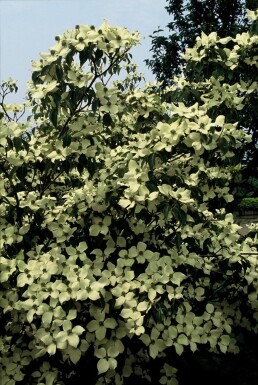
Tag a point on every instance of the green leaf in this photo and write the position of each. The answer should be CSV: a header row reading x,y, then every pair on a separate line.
x,y
107,120
25,145
57,99
17,143
166,210
180,215
151,161
75,355
10,142
35,76
120,172
60,77
21,172
84,56
151,186
98,54
53,116
82,162
95,105
66,164
224,145
178,241
67,140
223,54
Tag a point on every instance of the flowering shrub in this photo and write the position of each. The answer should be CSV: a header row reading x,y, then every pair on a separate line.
x,y
116,249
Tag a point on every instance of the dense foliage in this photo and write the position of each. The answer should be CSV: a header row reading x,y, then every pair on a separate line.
x,y
116,251
189,18
249,204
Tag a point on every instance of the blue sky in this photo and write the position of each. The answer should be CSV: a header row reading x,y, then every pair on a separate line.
x,y
29,26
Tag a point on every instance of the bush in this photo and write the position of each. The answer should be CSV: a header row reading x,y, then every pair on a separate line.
x,y
249,204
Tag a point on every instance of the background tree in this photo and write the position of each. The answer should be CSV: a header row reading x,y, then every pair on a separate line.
x,y
189,19
227,18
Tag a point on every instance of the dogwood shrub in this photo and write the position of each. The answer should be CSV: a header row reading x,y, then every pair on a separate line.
x,y
116,251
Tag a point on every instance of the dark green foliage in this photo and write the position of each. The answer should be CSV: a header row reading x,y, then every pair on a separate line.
x,y
249,204
227,18
189,19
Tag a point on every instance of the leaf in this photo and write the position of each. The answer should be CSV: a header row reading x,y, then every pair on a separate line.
x,y
82,163
98,54
25,145
180,215
21,173
151,161
84,56
151,187
178,241
57,98
35,76
166,209
17,143
223,54
53,116
66,164
102,365
10,142
107,120
224,145
75,355
95,105
67,140
60,76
